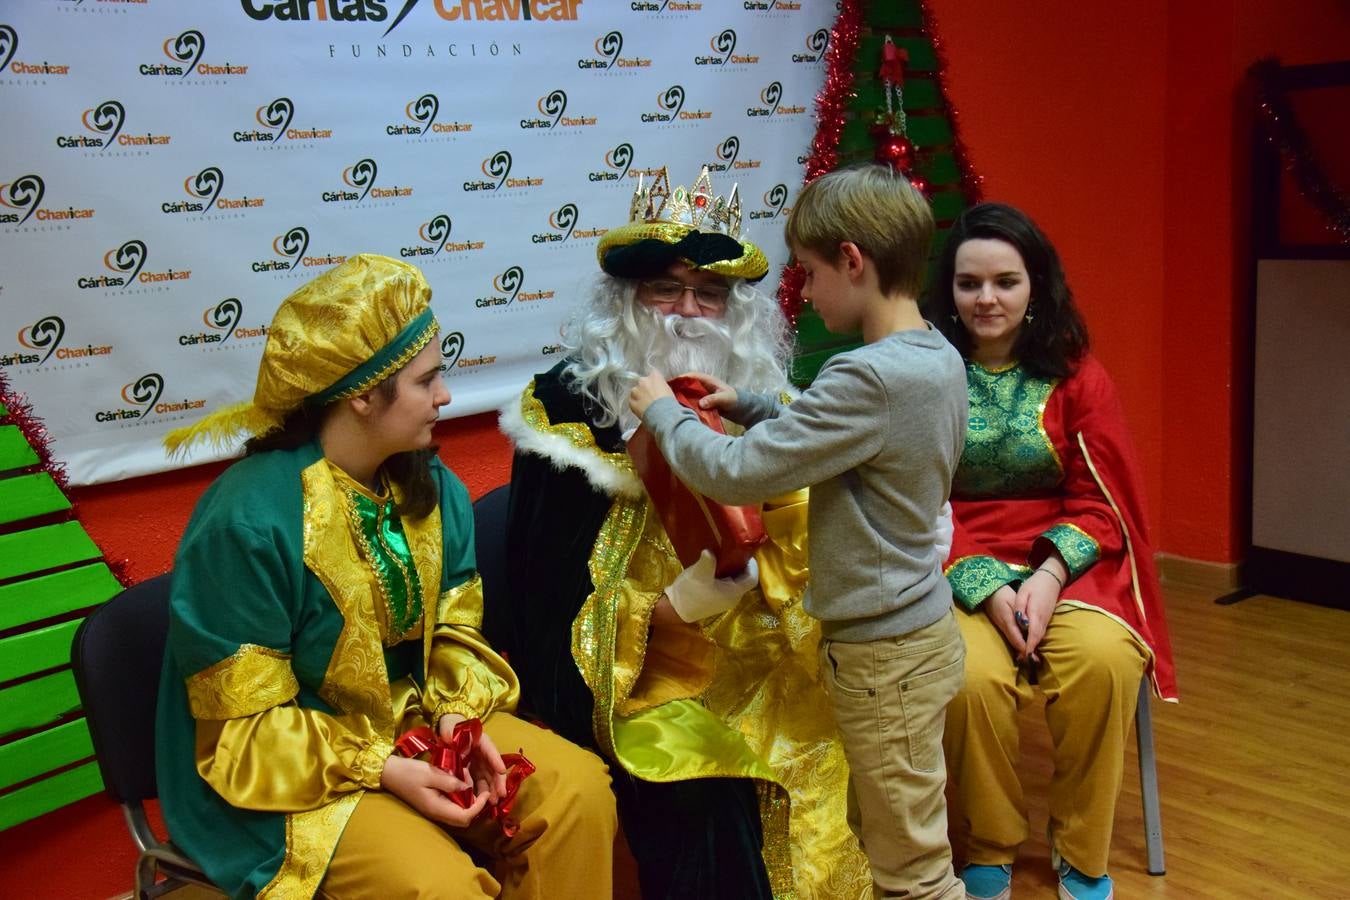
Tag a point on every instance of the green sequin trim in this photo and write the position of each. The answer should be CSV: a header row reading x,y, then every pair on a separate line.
x,y
1008,451
379,534
974,578
1078,548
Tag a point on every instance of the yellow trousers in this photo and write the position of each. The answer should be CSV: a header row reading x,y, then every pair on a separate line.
x,y
1090,671
564,848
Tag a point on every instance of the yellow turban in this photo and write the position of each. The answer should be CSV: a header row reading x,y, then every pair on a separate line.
x,y
337,336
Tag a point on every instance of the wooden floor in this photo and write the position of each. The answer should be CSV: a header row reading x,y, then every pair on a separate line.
x,y
1253,764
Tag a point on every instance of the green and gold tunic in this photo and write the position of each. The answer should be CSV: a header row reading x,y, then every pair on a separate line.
x,y
310,626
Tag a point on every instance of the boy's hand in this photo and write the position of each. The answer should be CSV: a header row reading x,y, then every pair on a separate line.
x,y
720,394
650,388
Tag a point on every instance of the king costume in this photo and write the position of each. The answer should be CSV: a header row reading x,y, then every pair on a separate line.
x,y
719,735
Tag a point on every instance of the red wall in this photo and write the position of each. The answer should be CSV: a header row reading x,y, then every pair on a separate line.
x,y
1063,112
1120,129
1126,135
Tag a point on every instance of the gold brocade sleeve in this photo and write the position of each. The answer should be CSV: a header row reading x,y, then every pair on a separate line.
x,y
255,678
288,759
465,676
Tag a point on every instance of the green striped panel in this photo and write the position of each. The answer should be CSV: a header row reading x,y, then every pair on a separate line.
x,y
947,205
929,131
811,329
44,751
921,55
895,14
917,94
43,796
35,651
44,548
923,131
26,496
37,702
806,366
15,453
941,170
55,595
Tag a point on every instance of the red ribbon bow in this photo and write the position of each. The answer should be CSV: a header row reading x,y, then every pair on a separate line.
x,y
452,756
892,62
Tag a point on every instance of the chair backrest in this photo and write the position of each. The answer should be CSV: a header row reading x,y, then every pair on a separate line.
x,y
489,521
117,654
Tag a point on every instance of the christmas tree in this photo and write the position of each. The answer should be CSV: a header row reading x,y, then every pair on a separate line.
x,y
883,99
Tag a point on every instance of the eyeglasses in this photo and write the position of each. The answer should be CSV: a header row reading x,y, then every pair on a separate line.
x,y
665,291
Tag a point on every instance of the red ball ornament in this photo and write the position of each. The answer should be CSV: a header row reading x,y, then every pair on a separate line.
x,y
920,184
895,150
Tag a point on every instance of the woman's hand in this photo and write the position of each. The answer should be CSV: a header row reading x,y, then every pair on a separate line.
x,y
425,787
650,388
999,608
1036,599
487,772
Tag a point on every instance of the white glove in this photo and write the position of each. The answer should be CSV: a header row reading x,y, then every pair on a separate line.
x,y
944,533
697,594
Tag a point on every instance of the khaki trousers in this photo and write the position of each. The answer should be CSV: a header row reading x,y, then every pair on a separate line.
x,y
1090,671
563,850
889,699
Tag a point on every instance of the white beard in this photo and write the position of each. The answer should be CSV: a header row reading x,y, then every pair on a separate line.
x,y
612,340
676,345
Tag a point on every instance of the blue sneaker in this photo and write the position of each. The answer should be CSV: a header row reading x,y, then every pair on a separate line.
x,y
1074,885
987,882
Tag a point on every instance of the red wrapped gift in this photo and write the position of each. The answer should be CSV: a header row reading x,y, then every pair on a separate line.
x,y
453,756
693,522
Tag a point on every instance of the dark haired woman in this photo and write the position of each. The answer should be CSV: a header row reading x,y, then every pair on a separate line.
x,y
324,604
1050,562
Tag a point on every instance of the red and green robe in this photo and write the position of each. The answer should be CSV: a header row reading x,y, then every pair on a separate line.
x,y
1048,464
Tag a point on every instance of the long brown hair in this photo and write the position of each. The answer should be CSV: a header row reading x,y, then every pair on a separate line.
x,y
1050,345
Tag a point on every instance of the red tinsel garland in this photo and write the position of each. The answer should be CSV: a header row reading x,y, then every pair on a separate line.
x,y
1296,153
831,106
34,430
831,109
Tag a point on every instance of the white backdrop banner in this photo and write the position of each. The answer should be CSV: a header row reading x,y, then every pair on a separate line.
x,y
172,169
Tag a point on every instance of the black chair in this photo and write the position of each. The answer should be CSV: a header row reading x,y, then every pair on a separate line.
x,y
489,522
116,654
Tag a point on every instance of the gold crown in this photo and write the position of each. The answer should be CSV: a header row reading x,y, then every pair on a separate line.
x,y
698,207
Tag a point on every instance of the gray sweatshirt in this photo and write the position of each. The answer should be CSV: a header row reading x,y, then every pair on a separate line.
x,y
876,437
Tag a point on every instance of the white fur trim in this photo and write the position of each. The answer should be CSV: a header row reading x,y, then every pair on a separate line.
x,y
563,454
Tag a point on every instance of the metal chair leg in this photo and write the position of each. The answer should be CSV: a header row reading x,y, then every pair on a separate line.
x,y
1148,781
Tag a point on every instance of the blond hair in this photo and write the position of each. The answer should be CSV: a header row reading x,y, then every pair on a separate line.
x,y
877,209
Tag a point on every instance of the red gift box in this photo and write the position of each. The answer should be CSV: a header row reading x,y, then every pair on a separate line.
x,y
693,522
